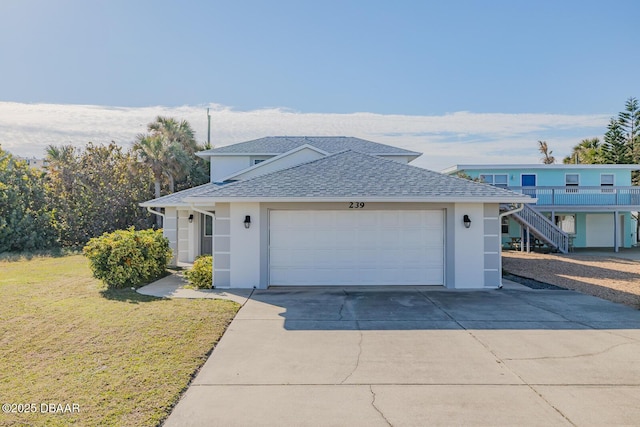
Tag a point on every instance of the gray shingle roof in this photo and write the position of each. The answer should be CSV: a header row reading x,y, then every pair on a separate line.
x,y
330,144
176,199
353,174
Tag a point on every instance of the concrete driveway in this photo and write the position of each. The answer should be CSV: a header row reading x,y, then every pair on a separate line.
x,y
418,356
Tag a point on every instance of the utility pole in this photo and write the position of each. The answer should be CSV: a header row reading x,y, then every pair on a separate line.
x,y
208,129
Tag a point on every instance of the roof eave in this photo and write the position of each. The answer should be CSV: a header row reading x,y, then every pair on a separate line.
x,y
459,168
151,204
366,199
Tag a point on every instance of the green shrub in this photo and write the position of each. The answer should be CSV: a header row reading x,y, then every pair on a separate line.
x,y
201,275
128,257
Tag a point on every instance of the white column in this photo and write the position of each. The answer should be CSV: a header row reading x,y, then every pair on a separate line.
x,y
615,232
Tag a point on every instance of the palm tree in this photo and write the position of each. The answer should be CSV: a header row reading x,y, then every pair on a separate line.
x,y
588,151
152,151
58,159
168,149
544,149
174,131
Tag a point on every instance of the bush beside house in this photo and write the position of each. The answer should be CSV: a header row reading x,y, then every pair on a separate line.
x,y
128,257
201,275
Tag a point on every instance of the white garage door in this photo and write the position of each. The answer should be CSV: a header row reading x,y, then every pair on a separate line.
x,y
600,230
356,247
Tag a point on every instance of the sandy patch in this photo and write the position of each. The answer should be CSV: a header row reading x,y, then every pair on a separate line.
x,y
608,277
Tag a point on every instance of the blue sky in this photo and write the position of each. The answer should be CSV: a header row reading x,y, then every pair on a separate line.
x,y
402,58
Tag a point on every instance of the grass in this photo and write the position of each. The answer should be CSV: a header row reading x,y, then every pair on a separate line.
x,y
124,358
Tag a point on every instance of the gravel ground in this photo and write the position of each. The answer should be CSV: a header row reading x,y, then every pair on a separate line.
x,y
607,277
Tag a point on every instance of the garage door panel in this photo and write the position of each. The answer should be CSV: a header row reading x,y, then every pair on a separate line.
x,y
389,219
324,238
280,257
356,247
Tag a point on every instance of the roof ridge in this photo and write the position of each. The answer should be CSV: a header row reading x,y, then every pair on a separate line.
x,y
350,173
279,144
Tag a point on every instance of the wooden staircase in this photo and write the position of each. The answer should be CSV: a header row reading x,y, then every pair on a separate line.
x,y
542,228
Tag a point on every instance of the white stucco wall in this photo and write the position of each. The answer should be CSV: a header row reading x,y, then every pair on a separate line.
x,y
170,231
470,252
245,245
292,159
223,166
469,246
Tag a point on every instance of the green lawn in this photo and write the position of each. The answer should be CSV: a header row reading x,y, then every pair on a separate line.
x,y
123,358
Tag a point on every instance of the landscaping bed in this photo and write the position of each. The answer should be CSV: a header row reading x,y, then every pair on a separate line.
x,y
123,358
531,283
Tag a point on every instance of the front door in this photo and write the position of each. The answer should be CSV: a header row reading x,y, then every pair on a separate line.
x,y
528,180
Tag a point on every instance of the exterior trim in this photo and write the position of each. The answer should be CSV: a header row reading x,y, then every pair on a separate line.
x,y
458,168
434,199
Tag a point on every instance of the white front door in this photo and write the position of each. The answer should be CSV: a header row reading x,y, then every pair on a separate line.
x,y
356,247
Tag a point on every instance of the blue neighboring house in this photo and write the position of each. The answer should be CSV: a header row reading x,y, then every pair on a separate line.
x,y
577,206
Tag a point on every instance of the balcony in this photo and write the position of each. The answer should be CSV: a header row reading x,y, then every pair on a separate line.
x,y
597,198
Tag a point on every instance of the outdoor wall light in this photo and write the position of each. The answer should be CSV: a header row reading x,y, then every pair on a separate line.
x,y
190,218
467,221
247,221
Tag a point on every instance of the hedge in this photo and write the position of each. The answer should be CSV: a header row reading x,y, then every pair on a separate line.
x,y
201,275
128,257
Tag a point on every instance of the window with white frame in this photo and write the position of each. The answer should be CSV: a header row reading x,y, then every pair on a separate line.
x,y
499,179
607,180
505,225
572,180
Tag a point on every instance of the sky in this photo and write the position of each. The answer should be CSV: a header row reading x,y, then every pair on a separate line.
x,y
461,81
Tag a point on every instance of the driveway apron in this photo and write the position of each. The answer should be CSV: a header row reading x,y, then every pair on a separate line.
x,y
415,356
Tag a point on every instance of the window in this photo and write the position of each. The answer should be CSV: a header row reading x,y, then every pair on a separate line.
x,y
256,161
505,225
208,226
567,223
607,180
572,180
499,180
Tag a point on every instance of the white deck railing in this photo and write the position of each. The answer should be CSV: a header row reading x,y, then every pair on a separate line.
x,y
583,196
543,228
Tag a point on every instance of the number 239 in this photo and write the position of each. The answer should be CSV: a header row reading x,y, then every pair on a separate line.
x,y
356,205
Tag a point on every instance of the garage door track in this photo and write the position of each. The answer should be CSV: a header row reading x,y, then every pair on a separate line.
x,y
419,356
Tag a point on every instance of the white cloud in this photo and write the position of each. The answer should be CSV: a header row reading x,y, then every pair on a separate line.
x,y
461,137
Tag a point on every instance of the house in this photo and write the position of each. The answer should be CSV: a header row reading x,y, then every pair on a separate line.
x,y
591,204
35,163
321,211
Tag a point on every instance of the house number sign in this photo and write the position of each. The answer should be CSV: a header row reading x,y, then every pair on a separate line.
x,y
356,205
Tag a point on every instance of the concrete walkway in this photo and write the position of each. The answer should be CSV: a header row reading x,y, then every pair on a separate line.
x,y
420,356
172,286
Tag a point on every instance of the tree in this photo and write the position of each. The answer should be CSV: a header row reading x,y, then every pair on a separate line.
x,y
26,221
174,131
588,151
169,149
97,190
544,150
617,149
153,152
629,122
